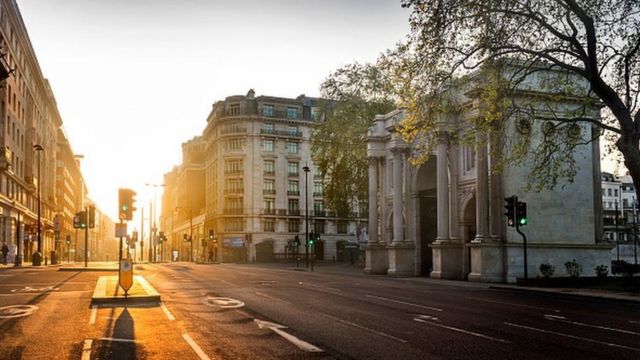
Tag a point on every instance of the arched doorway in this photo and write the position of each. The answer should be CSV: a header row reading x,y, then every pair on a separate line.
x,y
468,231
427,207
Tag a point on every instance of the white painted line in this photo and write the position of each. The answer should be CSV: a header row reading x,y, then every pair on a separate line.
x,y
562,319
195,347
145,285
510,303
94,312
272,297
152,276
465,331
364,328
403,302
118,340
167,312
86,349
101,287
571,336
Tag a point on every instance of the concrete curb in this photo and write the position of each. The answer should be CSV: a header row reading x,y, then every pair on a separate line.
x,y
87,269
100,297
574,294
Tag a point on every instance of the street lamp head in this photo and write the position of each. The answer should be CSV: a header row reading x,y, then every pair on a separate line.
x,y
305,168
38,147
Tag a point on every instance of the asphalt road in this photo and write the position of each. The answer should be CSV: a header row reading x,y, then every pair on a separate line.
x,y
275,312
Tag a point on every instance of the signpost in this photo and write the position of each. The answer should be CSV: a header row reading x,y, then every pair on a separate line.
x,y
126,275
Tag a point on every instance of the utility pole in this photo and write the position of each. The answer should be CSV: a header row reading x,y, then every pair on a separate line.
x,y
86,237
142,234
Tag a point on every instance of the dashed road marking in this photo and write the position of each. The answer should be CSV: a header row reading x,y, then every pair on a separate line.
x,y
403,302
118,340
167,312
94,312
564,320
468,332
571,336
86,349
195,347
272,297
363,328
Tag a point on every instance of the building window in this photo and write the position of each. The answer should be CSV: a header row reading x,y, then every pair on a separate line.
x,y
609,192
235,144
269,167
292,168
318,227
317,188
294,207
294,226
233,186
292,130
269,206
292,147
269,186
233,166
267,110
267,145
314,113
318,207
615,192
233,206
292,113
343,226
233,224
267,128
269,225
234,109
468,158
293,188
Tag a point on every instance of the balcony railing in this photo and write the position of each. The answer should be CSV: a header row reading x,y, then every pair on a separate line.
x,y
269,173
294,212
234,131
293,192
233,172
318,193
269,211
233,211
269,191
296,174
234,191
286,133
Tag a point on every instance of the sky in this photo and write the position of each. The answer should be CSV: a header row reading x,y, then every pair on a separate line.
x,y
134,79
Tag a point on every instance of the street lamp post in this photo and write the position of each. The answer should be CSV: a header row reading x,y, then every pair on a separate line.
x,y
190,229
152,223
306,214
37,257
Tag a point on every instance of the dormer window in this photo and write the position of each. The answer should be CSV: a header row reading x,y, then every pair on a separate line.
x,y
292,113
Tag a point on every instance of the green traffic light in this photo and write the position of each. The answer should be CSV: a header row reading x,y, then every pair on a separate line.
x,y
523,221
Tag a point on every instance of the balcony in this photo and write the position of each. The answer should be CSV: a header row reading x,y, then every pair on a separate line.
x,y
284,133
282,114
234,131
269,211
294,212
319,213
269,173
318,193
293,192
269,191
293,174
233,172
233,211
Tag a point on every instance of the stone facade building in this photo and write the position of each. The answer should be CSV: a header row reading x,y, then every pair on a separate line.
x,y
445,218
257,191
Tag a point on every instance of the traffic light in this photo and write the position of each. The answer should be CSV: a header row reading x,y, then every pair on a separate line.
x,y
521,213
510,209
92,216
296,240
211,234
125,204
82,219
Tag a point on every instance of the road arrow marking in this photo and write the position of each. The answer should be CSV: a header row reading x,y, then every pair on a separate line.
x,y
15,311
277,328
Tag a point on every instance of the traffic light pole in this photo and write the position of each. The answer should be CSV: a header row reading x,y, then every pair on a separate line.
x,y
524,248
86,238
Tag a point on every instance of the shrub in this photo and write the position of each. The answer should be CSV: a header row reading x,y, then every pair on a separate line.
x,y
601,271
547,270
573,268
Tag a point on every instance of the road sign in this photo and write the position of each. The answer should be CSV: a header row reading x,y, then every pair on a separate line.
x,y
126,275
121,230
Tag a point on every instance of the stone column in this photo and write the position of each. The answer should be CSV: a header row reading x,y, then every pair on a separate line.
x,y
373,200
376,258
482,190
398,235
454,154
495,189
442,178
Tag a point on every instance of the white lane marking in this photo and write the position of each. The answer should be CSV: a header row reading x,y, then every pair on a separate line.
x,y
118,340
563,319
30,289
364,328
94,313
403,302
195,347
16,311
86,349
468,332
272,297
167,312
277,328
571,336
101,287
224,302
422,318
145,285
510,303
152,276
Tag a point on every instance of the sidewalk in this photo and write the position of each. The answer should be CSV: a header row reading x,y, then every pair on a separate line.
x,y
27,265
584,293
91,266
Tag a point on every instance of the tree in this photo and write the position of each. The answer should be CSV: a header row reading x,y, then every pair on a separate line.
x,y
597,41
353,96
